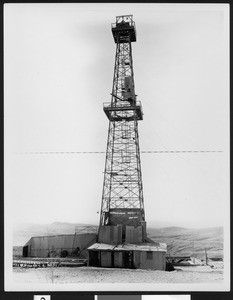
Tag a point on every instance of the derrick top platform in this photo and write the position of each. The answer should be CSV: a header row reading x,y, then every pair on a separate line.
x,y
114,112
124,29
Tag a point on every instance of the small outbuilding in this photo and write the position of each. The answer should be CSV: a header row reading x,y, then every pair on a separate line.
x,y
132,256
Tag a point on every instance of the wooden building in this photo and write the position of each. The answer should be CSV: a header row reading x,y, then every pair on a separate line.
x,y
132,256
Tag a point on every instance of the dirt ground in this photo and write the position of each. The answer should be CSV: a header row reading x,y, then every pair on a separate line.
x,y
62,275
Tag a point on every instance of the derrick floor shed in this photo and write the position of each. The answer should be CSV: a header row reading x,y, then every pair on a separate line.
x,y
132,256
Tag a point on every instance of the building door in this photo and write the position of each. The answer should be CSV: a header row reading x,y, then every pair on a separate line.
x,y
128,260
25,251
94,259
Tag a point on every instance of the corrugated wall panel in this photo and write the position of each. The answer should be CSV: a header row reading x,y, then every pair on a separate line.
x,y
41,246
133,235
118,259
137,259
157,262
106,259
104,234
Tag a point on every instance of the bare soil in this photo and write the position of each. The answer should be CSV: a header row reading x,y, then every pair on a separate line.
x,y
62,275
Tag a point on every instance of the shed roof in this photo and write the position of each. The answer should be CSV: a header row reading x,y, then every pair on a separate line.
x,y
159,247
142,247
100,246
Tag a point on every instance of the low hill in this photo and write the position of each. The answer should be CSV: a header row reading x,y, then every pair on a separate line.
x,y
190,241
180,241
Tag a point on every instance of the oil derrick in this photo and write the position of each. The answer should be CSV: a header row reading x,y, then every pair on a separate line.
x,y
122,198
122,240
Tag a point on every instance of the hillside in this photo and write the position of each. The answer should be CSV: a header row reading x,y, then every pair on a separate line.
x,y
190,241
180,241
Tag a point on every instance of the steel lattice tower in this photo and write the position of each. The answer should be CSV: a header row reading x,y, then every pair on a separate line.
x,y
122,197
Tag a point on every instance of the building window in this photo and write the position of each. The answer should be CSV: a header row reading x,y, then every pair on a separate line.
x,y
149,255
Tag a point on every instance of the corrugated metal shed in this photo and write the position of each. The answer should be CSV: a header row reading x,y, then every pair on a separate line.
x,y
44,246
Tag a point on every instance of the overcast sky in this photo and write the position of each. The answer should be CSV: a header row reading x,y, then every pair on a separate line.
x,y
58,71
